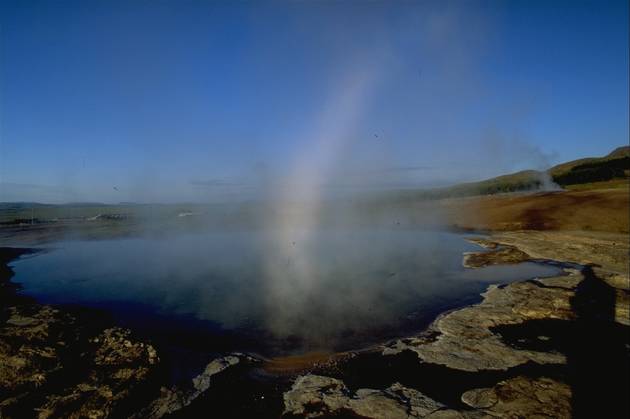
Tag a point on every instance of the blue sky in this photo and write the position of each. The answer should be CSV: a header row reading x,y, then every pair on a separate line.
x,y
199,100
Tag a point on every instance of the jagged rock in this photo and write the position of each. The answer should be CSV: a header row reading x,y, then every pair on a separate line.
x,y
480,398
313,396
30,342
41,345
117,368
522,397
310,392
503,256
202,382
174,399
115,348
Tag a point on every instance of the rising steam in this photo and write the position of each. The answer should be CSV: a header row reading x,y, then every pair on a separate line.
x,y
297,203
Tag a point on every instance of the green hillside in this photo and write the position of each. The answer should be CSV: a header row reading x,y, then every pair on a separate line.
x,y
519,181
615,165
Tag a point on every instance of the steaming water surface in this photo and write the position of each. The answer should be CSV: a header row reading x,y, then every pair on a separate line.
x,y
363,286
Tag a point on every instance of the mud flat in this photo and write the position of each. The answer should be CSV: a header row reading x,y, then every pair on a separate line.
x,y
553,347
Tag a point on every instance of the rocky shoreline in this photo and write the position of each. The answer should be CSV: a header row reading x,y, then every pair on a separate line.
x,y
553,347
65,362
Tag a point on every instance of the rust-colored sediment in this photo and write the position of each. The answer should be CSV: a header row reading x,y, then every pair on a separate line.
x,y
603,210
303,362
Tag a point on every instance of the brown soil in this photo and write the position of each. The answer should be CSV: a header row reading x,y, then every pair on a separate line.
x,y
594,210
301,363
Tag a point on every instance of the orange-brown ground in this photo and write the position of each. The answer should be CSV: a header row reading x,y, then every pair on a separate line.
x,y
302,363
587,210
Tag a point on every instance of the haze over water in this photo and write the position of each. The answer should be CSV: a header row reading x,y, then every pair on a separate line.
x,y
365,285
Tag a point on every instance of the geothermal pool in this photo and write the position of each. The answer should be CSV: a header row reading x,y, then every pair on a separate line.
x,y
330,290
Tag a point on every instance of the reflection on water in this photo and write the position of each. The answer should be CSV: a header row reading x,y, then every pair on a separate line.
x,y
364,286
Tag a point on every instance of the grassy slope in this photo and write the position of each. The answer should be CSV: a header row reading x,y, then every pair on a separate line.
x,y
596,198
519,181
616,165
563,168
587,173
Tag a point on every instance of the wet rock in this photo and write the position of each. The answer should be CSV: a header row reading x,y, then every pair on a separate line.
x,y
503,256
466,340
485,243
608,251
569,282
607,254
174,399
202,382
314,396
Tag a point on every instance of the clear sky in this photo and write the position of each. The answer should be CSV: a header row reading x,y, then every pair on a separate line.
x,y
195,100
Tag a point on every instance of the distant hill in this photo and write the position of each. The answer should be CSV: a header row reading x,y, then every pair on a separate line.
x,y
519,181
612,170
623,151
615,165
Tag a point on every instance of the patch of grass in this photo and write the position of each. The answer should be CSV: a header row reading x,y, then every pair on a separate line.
x,y
608,184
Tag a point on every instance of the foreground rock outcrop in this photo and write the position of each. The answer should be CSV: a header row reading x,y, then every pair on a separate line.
x,y
504,255
116,372
606,254
465,337
467,340
174,399
314,396
58,363
48,368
